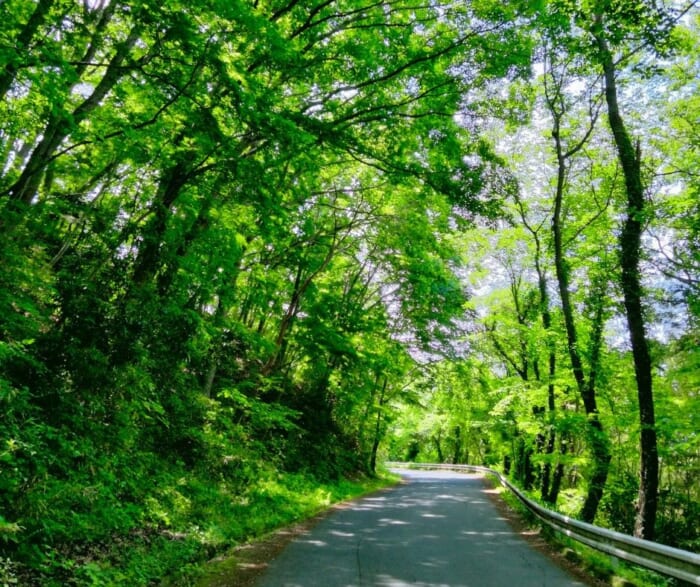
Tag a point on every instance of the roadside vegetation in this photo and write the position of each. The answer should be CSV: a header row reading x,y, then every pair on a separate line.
x,y
183,519
598,567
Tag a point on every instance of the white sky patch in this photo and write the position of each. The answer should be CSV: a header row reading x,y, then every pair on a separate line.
x,y
83,89
347,95
95,4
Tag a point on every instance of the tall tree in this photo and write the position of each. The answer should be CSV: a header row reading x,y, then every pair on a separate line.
x,y
550,483
645,18
565,148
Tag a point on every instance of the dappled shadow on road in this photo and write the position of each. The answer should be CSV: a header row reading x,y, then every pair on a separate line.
x,y
436,530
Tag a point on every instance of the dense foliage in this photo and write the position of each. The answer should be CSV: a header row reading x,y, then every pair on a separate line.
x,y
245,243
575,376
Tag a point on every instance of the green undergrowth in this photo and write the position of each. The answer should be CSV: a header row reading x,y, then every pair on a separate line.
x,y
601,566
164,535
296,499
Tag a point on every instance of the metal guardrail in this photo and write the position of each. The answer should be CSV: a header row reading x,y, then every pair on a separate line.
x,y
669,561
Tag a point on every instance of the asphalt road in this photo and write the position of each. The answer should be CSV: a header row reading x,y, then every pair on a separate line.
x,y
439,529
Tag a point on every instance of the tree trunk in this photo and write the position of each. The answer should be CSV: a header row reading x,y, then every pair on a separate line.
x,y
546,315
596,436
147,261
552,369
22,43
546,480
377,429
630,243
438,447
61,124
553,494
458,445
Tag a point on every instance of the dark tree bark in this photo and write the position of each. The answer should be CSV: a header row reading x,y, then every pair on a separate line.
x,y
22,43
438,447
458,445
551,497
546,485
630,243
61,124
302,281
171,183
598,442
377,429
558,475
524,472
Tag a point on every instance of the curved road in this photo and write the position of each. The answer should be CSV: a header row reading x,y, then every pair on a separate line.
x,y
439,529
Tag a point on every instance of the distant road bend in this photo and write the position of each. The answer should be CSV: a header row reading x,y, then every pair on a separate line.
x,y
439,529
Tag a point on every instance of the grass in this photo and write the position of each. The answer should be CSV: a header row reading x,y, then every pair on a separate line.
x,y
282,502
184,519
601,566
